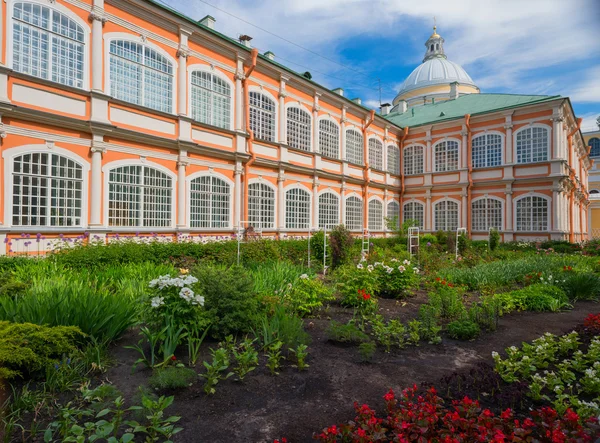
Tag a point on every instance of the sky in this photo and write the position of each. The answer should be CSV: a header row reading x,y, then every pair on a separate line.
x,y
507,46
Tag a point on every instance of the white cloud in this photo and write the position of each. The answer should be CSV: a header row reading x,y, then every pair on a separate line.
x,y
589,122
588,91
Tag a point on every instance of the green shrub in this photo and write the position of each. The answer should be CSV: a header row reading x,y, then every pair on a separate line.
x,y
366,351
341,241
306,295
447,302
494,240
350,279
463,329
346,333
26,348
172,377
273,279
230,305
428,238
536,297
10,287
430,330
486,312
316,247
581,285
388,334
282,326
395,278
463,243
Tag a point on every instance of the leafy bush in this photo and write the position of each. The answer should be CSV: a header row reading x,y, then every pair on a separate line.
x,y
316,247
447,300
306,295
366,351
172,377
463,329
536,297
27,348
282,326
346,333
341,241
463,244
581,285
494,239
272,279
428,238
230,305
486,312
350,279
395,278
10,287
388,334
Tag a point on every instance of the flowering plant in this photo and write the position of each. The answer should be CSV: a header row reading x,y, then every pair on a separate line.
x,y
363,301
592,322
396,277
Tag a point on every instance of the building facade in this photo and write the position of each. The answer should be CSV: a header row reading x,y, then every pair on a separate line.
x,y
592,139
125,118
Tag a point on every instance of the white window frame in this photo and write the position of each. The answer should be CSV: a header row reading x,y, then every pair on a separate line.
x,y
63,10
111,36
502,148
597,142
404,212
337,196
396,149
9,156
435,162
488,197
458,213
310,206
361,151
277,129
381,219
188,199
362,208
548,147
260,181
380,147
217,73
302,108
339,136
389,216
138,162
548,214
411,150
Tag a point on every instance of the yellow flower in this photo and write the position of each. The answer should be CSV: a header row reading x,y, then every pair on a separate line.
x,y
184,271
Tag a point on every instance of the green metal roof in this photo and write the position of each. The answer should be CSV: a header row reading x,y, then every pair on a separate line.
x,y
465,104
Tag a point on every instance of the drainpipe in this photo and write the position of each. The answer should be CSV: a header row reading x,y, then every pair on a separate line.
x,y
402,167
469,174
254,55
366,169
572,176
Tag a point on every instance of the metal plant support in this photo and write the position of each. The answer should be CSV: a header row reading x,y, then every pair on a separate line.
x,y
365,243
413,241
460,232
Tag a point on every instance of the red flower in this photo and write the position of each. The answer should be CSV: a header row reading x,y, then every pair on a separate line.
x,y
173,358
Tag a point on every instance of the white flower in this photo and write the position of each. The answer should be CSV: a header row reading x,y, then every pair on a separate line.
x,y
389,270
406,262
289,286
369,268
416,270
495,354
394,260
401,268
198,300
153,283
187,294
189,280
359,266
157,301
304,276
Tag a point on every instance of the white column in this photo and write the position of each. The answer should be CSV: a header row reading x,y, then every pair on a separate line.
x,y
315,198
385,208
237,194
342,204
508,158
316,109
343,135
557,125
98,19
280,200
463,210
182,55
239,100
428,154
181,208
508,223
282,112
463,158
96,181
428,213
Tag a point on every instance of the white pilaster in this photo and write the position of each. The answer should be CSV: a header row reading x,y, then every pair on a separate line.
x,y
315,199
282,112
463,157
97,150
557,124
316,109
181,208
280,200
428,214
464,206
508,223
239,101
343,137
237,196
343,204
428,153
3,245
98,19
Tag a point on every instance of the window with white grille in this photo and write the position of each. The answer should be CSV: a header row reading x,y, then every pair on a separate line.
x,y
446,216
211,99
354,147
261,206
141,75
532,214
532,145
209,202
393,214
329,210
297,209
354,214
486,213
413,160
47,190
375,154
595,145
414,211
393,160
48,44
446,156
139,196
486,150
375,216
262,116
329,139
298,128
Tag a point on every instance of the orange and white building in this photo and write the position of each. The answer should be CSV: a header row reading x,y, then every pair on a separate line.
x,y
123,117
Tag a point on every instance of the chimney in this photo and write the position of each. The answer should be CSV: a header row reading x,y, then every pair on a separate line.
x,y
402,106
270,55
245,40
385,108
453,90
208,21
357,100
339,91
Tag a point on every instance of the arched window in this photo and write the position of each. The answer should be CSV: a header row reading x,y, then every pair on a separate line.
x,y
139,196
329,139
354,213
211,99
532,145
209,202
375,215
532,214
297,209
393,214
446,156
486,150
48,44
413,160
486,213
594,191
414,211
375,154
446,216
47,190
141,75
329,210
354,147
262,116
261,206
393,160
298,128
595,145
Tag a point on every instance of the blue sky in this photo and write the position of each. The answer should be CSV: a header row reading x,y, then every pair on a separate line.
x,y
509,46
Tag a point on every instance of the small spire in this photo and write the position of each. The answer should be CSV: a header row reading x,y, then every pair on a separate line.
x,y
434,44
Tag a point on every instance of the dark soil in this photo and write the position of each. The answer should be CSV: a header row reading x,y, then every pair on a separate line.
x,y
297,404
